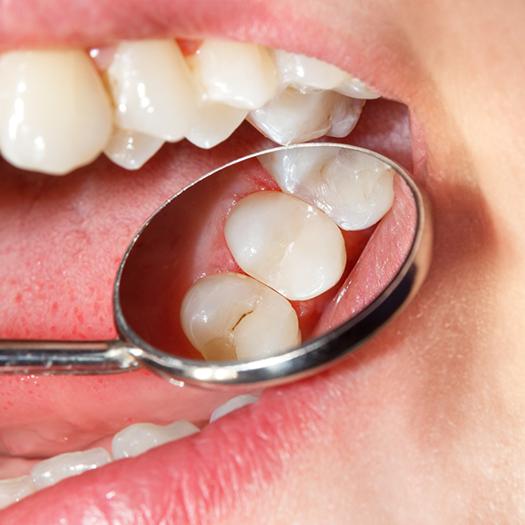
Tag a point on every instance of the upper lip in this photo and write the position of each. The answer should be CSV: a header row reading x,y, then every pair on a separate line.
x,y
201,461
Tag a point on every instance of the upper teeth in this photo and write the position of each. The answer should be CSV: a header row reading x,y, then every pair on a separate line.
x,y
56,115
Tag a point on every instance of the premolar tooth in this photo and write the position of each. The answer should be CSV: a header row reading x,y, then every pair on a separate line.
x,y
55,114
141,437
303,72
152,89
286,244
232,405
234,73
231,316
354,189
293,117
51,471
214,123
13,490
131,149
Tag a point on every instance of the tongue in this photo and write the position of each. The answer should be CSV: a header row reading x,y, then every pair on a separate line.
x,y
62,243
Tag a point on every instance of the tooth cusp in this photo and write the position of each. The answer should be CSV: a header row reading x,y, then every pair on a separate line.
x,y
356,190
285,243
230,316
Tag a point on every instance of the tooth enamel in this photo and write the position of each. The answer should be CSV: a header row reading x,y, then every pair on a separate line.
x,y
13,490
240,75
354,189
231,316
286,244
303,72
293,117
54,112
214,123
232,405
51,471
152,89
131,149
137,439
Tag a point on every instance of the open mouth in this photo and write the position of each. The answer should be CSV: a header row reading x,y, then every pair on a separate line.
x,y
64,237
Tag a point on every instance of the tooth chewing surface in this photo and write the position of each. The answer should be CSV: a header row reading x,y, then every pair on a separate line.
x,y
55,114
231,316
286,244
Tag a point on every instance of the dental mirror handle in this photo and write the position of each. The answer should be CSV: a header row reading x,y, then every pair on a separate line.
x,y
65,357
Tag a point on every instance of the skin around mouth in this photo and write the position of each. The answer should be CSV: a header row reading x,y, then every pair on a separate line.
x,y
425,424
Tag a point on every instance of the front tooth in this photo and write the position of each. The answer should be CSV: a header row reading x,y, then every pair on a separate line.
x,y
286,244
51,471
233,404
137,439
13,490
240,75
152,89
231,316
294,117
54,112
131,149
354,189
214,123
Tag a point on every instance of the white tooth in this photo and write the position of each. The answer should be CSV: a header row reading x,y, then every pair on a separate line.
x,y
301,71
131,149
54,112
353,87
137,439
152,89
214,123
286,244
51,471
354,189
232,405
13,490
231,316
237,74
293,117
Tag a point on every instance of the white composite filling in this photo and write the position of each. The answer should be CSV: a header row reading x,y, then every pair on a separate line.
x,y
59,109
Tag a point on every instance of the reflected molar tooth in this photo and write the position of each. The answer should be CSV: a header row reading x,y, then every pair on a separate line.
x,y
303,72
294,117
52,470
131,149
286,244
214,123
231,316
55,114
240,75
232,405
354,189
152,89
15,489
141,437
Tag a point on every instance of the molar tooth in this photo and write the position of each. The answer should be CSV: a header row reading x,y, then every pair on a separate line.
x,y
15,489
131,149
232,405
240,75
152,89
141,437
354,189
305,72
214,123
54,112
293,117
286,244
52,470
231,316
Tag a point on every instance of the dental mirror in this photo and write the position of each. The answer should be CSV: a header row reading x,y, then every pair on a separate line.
x,y
387,253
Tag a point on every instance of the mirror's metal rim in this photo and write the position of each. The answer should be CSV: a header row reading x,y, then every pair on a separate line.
x,y
316,354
